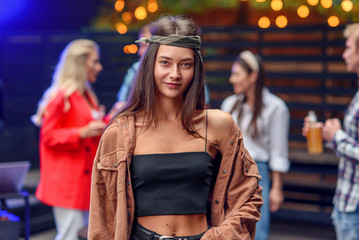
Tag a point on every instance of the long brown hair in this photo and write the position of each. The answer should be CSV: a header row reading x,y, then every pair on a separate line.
x,y
258,102
142,95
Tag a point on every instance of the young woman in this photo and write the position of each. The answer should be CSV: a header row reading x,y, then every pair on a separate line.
x,y
156,164
71,122
264,121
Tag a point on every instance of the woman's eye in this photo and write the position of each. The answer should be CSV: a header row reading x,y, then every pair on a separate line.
x,y
164,62
187,65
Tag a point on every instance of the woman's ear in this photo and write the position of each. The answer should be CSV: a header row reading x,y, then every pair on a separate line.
x,y
253,76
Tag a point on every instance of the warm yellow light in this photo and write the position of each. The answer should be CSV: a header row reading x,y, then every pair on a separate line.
x,y
119,5
140,13
126,49
326,3
260,0
132,48
276,5
312,2
347,5
333,21
264,22
303,11
152,6
127,17
121,28
281,21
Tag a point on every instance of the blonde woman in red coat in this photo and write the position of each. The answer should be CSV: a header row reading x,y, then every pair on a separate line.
x,y
71,122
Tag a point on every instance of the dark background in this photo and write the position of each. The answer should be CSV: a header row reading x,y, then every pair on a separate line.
x,y
34,15
32,35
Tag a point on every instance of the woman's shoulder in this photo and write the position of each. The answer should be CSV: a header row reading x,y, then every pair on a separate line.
x,y
219,119
221,128
114,133
273,100
121,120
62,94
57,98
228,102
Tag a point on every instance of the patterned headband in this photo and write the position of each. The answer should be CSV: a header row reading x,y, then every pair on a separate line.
x,y
176,41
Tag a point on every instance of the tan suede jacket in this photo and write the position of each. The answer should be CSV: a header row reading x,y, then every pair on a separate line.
x,y
235,206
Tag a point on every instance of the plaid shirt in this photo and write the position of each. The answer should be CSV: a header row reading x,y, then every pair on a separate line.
x,y
346,145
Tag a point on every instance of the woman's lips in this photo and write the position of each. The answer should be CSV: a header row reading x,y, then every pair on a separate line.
x,y
173,85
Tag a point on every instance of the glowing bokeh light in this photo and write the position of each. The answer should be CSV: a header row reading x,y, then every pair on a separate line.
x,y
281,21
132,48
276,5
125,49
121,28
119,5
264,22
152,6
260,0
303,11
333,21
347,5
127,17
326,3
312,2
140,13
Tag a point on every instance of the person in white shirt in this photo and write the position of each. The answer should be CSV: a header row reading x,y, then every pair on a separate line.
x,y
264,121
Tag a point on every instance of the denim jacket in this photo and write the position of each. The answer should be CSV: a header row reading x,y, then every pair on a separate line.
x,y
235,200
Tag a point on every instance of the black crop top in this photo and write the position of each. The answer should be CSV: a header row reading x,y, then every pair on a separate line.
x,y
171,183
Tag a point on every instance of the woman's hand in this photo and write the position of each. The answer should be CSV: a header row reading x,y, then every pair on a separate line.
x,y
276,198
92,129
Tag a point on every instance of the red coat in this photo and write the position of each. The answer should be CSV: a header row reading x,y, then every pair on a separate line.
x,y
66,159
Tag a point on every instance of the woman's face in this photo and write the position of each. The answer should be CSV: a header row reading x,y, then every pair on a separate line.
x,y
174,68
93,66
241,80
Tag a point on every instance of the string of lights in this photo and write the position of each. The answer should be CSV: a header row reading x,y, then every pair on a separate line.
x,y
269,13
333,11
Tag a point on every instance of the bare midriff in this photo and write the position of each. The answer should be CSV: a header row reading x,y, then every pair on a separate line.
x,y
175,225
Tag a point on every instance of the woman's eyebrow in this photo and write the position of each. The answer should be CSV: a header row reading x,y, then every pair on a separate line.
x,y
184,59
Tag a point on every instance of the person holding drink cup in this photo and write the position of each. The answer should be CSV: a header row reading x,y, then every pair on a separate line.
x,y
345,141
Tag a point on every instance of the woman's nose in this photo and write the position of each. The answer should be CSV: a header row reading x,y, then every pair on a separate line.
x,y
175,73
231,79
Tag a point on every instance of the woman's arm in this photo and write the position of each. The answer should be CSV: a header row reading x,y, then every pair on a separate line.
x,y
278,129
102,215
53,133
237,195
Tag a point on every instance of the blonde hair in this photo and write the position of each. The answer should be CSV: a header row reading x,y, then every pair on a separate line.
x,y
352,30
70,75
